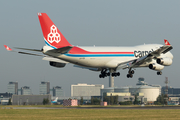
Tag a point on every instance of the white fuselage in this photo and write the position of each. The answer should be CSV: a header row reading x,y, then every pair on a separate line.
x,y
108,60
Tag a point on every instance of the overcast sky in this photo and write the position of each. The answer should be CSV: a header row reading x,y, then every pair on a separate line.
x,y
86,23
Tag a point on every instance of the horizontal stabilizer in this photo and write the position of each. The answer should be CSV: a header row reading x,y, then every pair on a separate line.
x,y
30,54
29,49
61,50
7,48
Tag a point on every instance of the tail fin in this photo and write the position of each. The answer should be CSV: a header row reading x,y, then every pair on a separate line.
x,y
56,99
52,36
166,42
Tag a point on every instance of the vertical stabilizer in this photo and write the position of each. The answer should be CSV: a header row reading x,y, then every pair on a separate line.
x,y
52,36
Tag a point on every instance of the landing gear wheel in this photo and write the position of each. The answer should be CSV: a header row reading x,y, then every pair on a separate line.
x,y
132,71
100,76
159,73
118,74
129,75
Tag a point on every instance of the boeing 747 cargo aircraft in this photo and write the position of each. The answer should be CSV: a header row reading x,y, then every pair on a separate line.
x,y
59,52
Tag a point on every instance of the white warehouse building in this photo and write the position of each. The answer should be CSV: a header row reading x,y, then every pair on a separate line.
x,y
86,90
150,92
147,93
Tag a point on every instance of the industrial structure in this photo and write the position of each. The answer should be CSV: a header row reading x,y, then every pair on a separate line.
x,y
30,99
4,98
6,95
171,90
86,90
146,93
13,88
26,90
58,91
44,88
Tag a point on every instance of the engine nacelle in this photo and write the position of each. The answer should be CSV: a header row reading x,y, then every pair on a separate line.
x,y
156,67
56,64
164,61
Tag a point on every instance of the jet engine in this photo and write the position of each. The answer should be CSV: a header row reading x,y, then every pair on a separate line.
x,y
56,64
156,67
164,61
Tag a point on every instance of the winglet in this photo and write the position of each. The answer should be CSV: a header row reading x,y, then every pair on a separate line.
x,y
166,42
7,48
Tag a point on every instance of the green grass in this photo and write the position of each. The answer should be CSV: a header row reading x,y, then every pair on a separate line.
x,y
84,114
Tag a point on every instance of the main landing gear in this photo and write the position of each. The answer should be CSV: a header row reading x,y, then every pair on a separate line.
x,y
159,73
104,73
130,73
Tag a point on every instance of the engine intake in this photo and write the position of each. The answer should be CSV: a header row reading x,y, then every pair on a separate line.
x,y
56,64
164,61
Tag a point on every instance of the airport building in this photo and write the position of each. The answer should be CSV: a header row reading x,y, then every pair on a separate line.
x,y
146,93
86,90
173,94
171,90
4,98
58,91
44,88
13,88
6,95
30,99
26,90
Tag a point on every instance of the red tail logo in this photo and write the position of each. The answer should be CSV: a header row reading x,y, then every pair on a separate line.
x,y
53,37
166,42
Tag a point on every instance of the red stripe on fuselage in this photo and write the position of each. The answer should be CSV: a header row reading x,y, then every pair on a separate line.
x,y
77,50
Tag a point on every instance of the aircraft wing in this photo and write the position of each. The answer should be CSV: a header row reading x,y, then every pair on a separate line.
x,y
164,49
136,62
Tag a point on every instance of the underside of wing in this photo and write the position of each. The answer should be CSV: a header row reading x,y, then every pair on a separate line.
x,y
164,49
137,62
89,68
54,60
